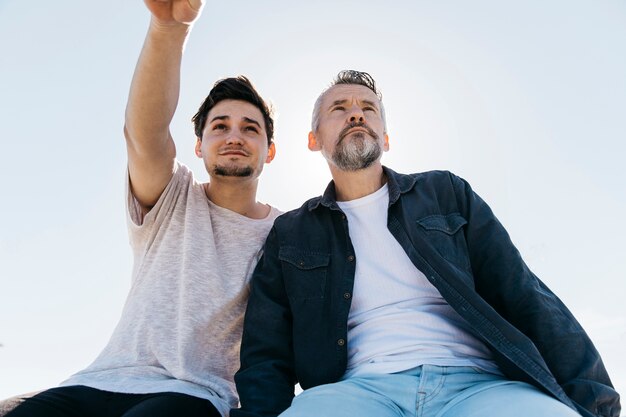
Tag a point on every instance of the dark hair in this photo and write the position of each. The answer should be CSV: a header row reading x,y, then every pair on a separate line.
x,y
234,88
357,77
348,77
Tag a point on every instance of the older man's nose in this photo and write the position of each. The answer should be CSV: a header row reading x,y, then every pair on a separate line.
x,y
356,115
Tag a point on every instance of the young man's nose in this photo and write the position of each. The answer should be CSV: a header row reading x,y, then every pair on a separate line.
x,y
234,138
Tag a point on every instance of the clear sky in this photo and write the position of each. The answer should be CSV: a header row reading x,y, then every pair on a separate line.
x,y
526,100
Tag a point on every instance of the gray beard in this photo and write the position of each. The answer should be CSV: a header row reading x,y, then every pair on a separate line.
x,y
357,153
232,171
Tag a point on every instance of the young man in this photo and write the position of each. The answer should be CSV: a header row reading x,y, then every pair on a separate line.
x,y
175,350
402,295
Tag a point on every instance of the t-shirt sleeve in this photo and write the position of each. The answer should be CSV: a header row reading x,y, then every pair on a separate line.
x,y
141,225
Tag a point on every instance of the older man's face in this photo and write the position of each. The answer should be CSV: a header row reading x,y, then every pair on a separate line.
x,y
351,132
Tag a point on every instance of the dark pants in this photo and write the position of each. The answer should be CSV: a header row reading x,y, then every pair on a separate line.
x,y
81,401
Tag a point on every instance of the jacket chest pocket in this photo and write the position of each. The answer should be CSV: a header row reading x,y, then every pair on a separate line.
x,y
445,234
304,272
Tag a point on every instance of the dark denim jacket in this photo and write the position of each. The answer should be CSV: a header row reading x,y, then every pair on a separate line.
x,y
295,327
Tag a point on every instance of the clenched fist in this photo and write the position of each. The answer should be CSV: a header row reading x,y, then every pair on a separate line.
x,y
175,11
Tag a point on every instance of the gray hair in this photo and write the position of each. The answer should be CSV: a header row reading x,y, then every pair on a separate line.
x,y
348,77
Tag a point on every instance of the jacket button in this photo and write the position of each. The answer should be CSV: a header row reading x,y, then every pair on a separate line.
x,y
351,258
301,263
347,295
341,342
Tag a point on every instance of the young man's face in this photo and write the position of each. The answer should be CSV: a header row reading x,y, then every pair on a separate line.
x,y
351,132
234,141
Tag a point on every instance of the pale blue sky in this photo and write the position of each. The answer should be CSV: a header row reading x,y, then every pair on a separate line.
x,y
526,100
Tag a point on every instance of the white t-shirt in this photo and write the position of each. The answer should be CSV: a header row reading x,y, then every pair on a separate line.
x,y
181,325
398,320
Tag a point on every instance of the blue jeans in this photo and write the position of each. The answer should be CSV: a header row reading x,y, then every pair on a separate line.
x,y
428,391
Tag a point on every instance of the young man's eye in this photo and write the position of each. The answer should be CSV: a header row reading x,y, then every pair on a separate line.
x,y
219,126
252,129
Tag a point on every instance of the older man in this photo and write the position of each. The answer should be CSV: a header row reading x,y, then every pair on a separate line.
x,y
402,295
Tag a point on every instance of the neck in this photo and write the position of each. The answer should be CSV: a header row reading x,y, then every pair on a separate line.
x,y
236,196
350,185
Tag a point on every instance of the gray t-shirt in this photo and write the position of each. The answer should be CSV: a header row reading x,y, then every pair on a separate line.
x,y
181,325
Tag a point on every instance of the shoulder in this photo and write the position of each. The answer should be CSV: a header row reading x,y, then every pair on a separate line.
x,y
302,214
184,173
303,211
436,180
440,176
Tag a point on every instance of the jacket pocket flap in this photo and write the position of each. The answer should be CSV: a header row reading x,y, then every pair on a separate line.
x,y
303,259
449,224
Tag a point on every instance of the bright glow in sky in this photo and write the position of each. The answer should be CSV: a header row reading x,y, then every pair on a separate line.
x,y
526,100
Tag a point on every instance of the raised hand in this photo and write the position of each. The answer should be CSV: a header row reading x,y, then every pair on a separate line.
x,y
153,97
171,12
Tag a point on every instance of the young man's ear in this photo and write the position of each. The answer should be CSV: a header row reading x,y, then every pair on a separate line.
x,y
271,153
313,143
198,147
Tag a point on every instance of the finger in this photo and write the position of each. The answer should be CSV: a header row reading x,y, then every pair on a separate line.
x,y
196,4
186,12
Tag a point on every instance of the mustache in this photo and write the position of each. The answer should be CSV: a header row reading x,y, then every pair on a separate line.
x,y
233,149
352,125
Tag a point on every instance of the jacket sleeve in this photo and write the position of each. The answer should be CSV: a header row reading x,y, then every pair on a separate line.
x,y
507,284
266,379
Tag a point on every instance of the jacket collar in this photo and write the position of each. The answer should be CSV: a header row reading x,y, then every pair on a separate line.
x,y
397,183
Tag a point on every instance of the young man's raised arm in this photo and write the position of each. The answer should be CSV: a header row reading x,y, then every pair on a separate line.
x,y
153,97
